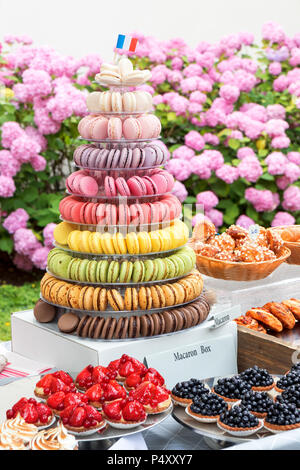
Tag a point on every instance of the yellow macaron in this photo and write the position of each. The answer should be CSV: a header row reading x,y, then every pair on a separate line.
x,y
132,243
62,231
119,243
144,242
107,243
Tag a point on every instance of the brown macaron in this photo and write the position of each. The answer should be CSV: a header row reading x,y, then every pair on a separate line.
x,y
111,329
121,329
86,327
105,327
68,322
43,312
81,324
169,322
98,328
134,327
93,326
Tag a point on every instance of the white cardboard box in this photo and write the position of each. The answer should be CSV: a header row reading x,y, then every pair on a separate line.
x,y
45,343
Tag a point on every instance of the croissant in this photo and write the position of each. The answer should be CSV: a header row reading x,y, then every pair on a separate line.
x,y
266,318
281,312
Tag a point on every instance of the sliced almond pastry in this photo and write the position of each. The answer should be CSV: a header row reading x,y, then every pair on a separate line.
x,y
281,312
266,318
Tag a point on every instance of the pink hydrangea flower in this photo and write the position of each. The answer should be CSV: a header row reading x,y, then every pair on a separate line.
x,y
275,127
38,162
262,199
22,262
275,111
214,158
273,32
282,182
230,93
25,242
275,68
200,167
276,162
292,172
176,63
244,221
184,152
24,148
211,139
39,257
179,168
179,190
245,152
10,131
194,140
227,173
7,186
291,199
294,157
215,216
250,169
283,218
208,199
16,219
198,97
280,142
9,166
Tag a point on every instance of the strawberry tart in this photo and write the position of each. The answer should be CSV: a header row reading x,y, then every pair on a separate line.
x,y
82,419
124,414
126,366
32,412
58,401
154,398
51,383
93,375
151,375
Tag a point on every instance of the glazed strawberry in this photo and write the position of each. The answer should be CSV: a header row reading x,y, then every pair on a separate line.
x,y
113,410
50,384
125,411
66,413
77,417
153,376
56,400
114,365
74,398
84,378
99,374
32,411
154,397
129,365
113,391
133,411
62,375
92,413
95,394
133,380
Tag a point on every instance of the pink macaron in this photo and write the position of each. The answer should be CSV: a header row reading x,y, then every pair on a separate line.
x,y
98,128
151,126
122,187
132,129
137,186
110,186
114,129
88,186
124,214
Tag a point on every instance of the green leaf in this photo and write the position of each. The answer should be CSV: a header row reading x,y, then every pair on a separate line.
x,y
6,244
234,144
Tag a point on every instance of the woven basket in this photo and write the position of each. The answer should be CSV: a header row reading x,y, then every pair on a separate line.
x,y
234,271
294,247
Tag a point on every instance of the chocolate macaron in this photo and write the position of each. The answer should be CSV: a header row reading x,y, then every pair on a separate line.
x,y
43,312
68,322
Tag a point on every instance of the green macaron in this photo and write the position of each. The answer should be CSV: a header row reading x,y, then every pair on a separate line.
x,y
180,264
104,264
60,265
138,272
82,270
149,270
113,271
161,269
91,271
171,270
126,269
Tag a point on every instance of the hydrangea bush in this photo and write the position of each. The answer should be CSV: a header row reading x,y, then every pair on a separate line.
x,y
42,97
230,113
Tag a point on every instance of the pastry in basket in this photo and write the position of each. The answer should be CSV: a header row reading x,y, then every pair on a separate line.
x,y
223,242
266,318
289,233
294,306
91,375
207,407
238,420
155,399
32,412
258,403
184,393
231,388
51,383
60,400
281,312
124,414
237,233
259,379
249,322
282,417
82,419
203,231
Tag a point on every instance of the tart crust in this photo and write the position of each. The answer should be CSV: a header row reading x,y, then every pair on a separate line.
x,y
197,415
162,406
236,429
277,427
230,400
181,401
83,429
266,388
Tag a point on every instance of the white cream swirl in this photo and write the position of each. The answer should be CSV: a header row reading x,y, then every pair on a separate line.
x,y
19,429
9,442
53,439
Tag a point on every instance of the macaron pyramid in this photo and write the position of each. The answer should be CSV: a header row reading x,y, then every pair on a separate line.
x,y
120,267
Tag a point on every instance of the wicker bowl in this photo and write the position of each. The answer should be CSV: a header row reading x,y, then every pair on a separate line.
x,y
234,271
294,247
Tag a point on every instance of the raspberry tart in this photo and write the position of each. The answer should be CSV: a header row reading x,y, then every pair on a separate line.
x,y
238,421
82,419
258,403
126,366
291,378
231,388
58,401
259,379
151,375
124,414
184,393
91,375
282,417
32,412
52,383
154,398
207,408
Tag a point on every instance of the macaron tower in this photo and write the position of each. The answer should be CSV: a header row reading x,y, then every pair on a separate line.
x,y
120,268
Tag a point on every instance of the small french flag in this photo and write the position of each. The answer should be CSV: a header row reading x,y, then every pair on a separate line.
x,y
126,43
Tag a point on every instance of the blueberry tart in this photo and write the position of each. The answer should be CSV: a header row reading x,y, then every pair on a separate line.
x,y
207,408
282,416
291,378
258,403
259,379
231,389
295,368
239,421
184,392
290,395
